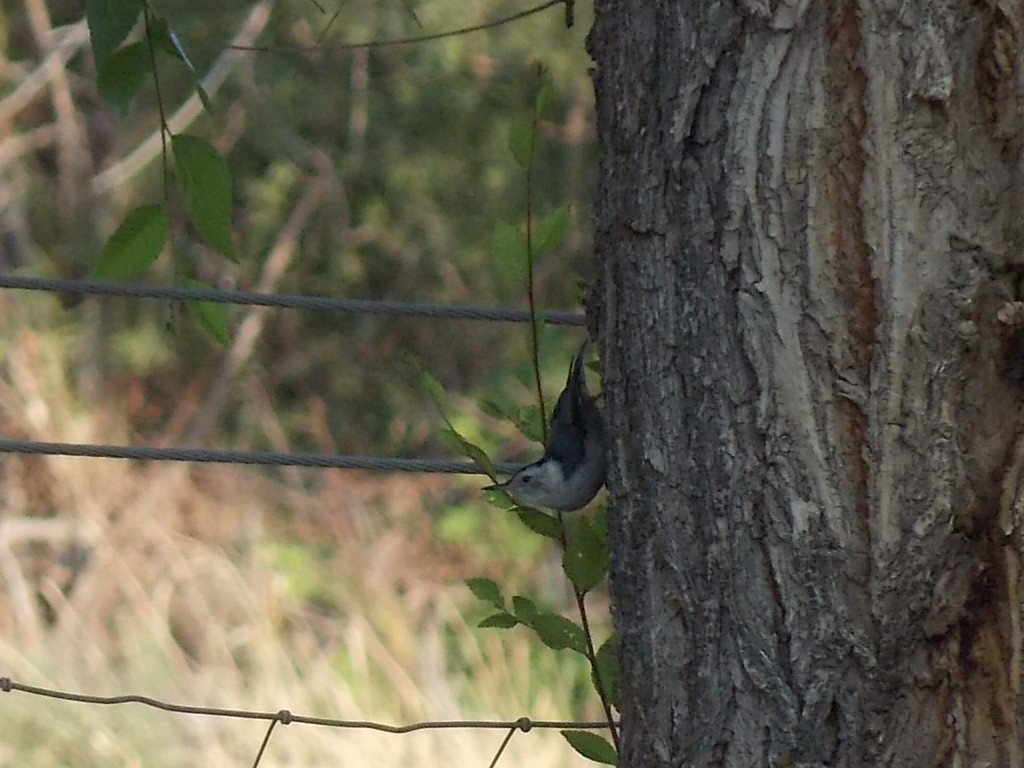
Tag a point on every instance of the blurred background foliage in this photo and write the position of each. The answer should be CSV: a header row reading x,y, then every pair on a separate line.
x,y
372,173
403,150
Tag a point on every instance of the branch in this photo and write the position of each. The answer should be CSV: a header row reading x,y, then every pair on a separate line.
x,y
404,40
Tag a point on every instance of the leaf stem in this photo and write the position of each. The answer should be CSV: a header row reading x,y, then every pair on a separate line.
x,y
581,605
164,128
165,131
534,331
530,293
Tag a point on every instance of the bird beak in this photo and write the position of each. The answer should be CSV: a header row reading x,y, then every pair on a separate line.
x,y
495,487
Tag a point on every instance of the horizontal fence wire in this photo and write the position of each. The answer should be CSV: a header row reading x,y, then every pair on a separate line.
x,y
286,301
285,717
263,458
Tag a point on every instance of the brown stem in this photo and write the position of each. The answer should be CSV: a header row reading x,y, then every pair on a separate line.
x,y
580,597
164,128
534,329
581,605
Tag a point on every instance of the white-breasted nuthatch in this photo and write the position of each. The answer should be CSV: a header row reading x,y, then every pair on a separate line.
x,y
572,469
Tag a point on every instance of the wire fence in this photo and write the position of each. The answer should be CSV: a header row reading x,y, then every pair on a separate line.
x,y
103,289
285,301
276,458
260,458
286,717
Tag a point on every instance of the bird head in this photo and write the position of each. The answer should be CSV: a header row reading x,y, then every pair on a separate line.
x,y
534,485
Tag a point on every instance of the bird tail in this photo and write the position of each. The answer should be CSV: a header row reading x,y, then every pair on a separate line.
x,y
576,381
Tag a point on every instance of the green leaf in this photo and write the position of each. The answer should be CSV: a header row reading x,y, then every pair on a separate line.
x,y
464,447
479,457
121,75
592,746
205,183
502,620
545,98
552,229
212,315
500,499
434,387
135,244
160,32
525,609
540,522
109,22
499,409
522,140
585,560
608,669
451,436
601,520
558,632
451,441
508,248
541,75
526,418
486,590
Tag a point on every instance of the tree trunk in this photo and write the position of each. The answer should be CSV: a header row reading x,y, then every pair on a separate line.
x,y
809,256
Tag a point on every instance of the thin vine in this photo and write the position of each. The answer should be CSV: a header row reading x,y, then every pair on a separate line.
x,y
584,551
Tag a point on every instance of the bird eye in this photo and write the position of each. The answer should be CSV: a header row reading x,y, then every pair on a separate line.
x,y
526,479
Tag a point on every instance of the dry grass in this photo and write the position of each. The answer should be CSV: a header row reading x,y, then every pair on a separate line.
x,y
218,586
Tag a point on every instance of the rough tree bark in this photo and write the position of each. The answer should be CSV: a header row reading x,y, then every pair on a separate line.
x,y
809,252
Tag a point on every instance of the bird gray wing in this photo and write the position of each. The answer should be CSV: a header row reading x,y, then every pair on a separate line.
x,y
566,437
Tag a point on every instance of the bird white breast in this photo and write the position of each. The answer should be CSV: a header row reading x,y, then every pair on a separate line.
x,y
569,495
